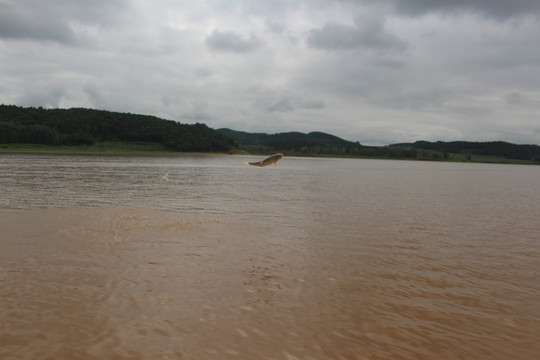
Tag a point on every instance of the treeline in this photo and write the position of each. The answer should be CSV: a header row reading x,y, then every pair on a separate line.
x,y
312,144
79,126
467,148
318,143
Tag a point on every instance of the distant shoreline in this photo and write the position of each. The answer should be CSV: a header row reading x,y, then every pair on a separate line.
x,y
104,149
153,149
79,130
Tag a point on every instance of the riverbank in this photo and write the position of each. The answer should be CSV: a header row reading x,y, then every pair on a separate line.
x,y
148,148
104,148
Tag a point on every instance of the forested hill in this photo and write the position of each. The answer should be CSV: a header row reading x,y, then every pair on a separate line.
x,y
79,126
490,148
295,142
318,143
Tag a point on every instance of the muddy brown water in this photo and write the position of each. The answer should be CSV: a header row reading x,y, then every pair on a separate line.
x,y
312,259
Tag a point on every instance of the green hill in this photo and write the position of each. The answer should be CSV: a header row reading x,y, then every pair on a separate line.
x,y
319,143
293,142
102,130
468,148
78,126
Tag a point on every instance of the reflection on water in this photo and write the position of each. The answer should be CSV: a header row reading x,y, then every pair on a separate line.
x,y
315,258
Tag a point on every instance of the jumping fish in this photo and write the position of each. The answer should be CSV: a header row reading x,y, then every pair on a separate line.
x,y
270,160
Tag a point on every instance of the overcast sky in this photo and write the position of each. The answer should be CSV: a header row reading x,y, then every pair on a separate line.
x,y
373,71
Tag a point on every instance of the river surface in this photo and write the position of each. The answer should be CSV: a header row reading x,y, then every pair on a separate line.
x,y
311,259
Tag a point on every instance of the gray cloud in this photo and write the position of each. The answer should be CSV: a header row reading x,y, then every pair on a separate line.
x,y
275,26
498,9
55,20
366,70
197,117
515,98
16,24
282,101
231,42
44,93
199,112
367,33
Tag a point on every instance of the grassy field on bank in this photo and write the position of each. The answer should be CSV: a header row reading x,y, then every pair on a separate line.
x,y
102,147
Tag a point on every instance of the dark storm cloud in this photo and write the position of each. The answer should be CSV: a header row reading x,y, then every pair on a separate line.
x,y
55,20
497,9
367,33
231,42
16,24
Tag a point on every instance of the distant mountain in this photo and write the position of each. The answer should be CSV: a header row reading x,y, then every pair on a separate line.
x,y
296,142
490,148
79,126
